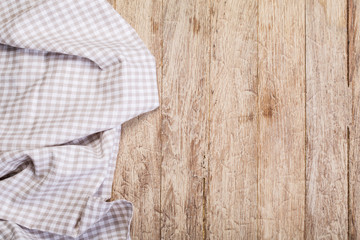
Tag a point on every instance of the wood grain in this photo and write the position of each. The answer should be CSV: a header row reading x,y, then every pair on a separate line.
x,y
232,200
327,117
137,176
354,129
258,132
281,180
184,117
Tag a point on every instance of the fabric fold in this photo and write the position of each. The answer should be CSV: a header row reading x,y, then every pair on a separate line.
x,y
44,30
91,40
71,72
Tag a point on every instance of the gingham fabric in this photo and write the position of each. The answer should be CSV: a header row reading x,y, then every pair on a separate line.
x,y
71,72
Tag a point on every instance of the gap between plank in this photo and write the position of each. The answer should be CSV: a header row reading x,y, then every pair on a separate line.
x,y
161,110
348,178
305,127
349,16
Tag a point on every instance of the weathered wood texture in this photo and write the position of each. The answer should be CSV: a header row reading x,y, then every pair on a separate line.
x,y
233,121
354,129
281,159
258,132
328,104
184,117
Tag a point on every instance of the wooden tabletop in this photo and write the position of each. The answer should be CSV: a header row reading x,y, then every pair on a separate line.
x,y
258,131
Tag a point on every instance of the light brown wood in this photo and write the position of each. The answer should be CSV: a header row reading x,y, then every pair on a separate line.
x,y
232,203
137,176
281,164
354,129
328,105
184,117
258,132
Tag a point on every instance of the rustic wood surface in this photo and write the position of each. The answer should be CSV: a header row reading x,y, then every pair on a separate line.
x,y
281,92
184,117
258,131
233,105
328,105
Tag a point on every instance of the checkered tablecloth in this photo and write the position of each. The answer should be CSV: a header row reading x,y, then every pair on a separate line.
x,y
71,72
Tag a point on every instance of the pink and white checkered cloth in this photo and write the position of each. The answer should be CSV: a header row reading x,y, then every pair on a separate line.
x,y
71,72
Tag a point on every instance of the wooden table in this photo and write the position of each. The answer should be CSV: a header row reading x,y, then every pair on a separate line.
x,y
258,132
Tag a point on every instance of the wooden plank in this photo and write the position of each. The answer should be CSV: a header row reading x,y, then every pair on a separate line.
x,y
281,164
354,129
232,200
328,107
137,176
184,117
